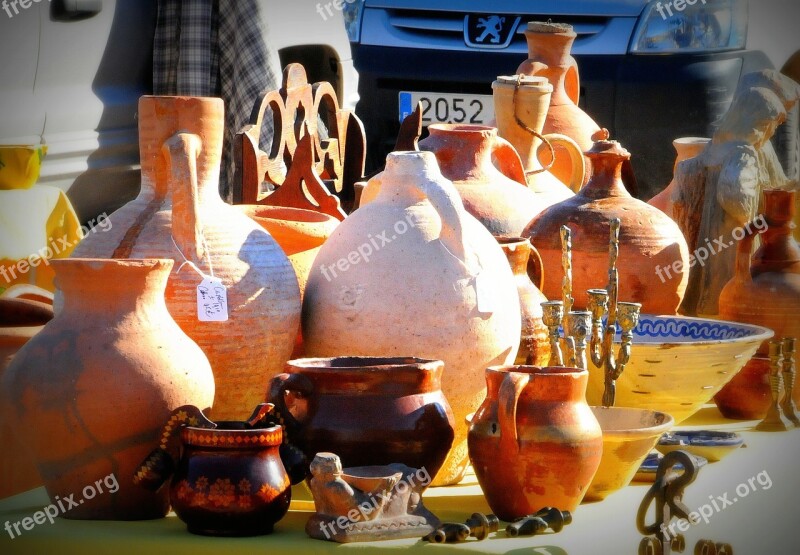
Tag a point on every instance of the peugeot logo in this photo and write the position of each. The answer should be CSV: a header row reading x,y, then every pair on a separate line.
x,y
489,31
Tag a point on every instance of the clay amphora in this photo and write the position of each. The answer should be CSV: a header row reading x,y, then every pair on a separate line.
x,y
367,410
685,147
180,215
401,276
766,290
534,345
532,102
465,152
653,261
534,441
88,394
549,46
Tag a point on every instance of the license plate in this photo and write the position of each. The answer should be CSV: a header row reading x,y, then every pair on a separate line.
x,y
448,108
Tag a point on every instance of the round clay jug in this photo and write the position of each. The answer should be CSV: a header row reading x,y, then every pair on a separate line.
x,y
748,395
766,290
465,152
411,273
520,105
549,47
534,442
686,148
367,410
534,344
89,394
653,260
179,215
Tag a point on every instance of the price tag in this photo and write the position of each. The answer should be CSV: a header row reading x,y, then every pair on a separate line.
x,y
485,293
212,300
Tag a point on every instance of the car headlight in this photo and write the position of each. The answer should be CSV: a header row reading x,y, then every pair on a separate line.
x,y
352,18
668,26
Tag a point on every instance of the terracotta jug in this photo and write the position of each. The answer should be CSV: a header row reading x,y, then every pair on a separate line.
x,y
465,152
766,290
549,47
180,215
653,261
367,410
400,276
686,148
534,345
88,395
520,105
748,395
534,441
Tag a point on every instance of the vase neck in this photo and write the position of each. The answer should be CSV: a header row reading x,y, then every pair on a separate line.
x,y
779,244
518,253
463,153
606,158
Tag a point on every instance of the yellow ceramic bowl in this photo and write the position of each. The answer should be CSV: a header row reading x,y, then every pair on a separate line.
x,y
628,436
20,165
678,363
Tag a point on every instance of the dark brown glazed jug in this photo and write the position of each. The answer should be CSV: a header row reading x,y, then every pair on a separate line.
x,y
369,411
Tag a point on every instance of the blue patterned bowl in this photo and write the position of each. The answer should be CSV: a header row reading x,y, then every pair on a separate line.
x,y
678,363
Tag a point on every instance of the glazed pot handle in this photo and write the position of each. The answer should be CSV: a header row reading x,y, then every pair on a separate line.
x,y
181,151
576,158
510,390
296,383
508,160
536,268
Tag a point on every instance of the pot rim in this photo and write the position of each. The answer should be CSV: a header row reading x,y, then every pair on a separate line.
x,y
364,363
544,371
222,438
643,431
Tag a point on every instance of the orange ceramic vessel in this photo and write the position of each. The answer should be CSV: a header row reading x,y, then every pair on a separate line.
x,y
534,345
180,215
464,152
534,442
89,394
748,395
549,47
653,261
766,290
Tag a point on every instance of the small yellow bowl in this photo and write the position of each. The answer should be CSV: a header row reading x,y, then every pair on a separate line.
x,y
20,165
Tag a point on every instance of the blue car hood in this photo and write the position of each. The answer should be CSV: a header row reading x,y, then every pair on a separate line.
x,y
610,8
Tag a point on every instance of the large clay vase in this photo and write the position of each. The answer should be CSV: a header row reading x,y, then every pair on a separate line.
x,y
20,320
686,148
180,215
300,233
367,410
534,441
766,290
465,153
653,260
549,47
412,274
89,394
534,344
520,105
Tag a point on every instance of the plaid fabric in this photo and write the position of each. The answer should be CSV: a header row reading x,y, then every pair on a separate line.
x,y
216,48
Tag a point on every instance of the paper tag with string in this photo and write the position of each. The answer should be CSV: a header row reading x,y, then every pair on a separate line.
x,y
212,300
486,293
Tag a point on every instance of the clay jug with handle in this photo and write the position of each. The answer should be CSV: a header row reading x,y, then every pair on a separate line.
x,y
521,103
413,274
180,215
498,196
534,442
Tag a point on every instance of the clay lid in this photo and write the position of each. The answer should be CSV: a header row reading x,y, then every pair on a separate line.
x,y
604,147
548,27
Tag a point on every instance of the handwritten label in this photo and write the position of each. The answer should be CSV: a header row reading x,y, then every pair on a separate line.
x,y
485,292
212,300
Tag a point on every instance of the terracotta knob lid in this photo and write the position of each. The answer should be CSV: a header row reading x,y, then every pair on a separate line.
x,y
603,146
548,27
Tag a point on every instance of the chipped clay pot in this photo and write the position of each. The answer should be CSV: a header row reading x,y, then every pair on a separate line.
x,y
534,442
649,240
465,152
534,345
766,290
549,46
178,214
685,147
94,387
399,277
